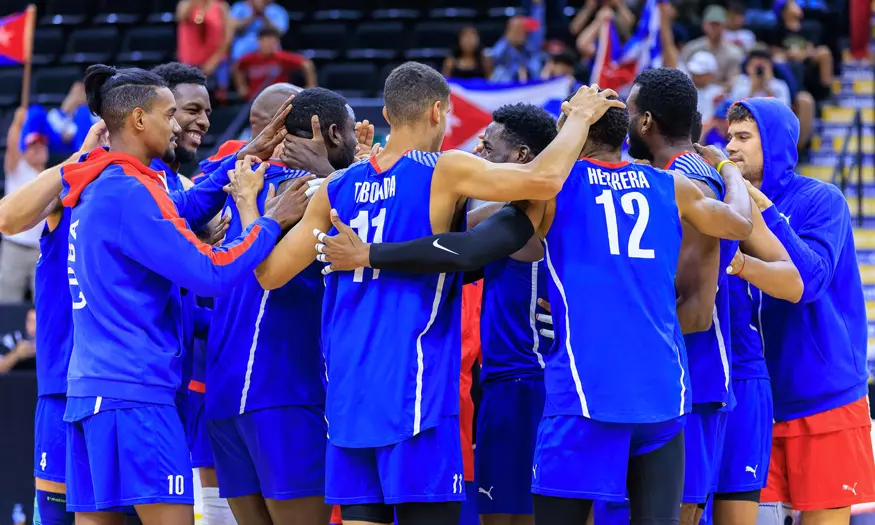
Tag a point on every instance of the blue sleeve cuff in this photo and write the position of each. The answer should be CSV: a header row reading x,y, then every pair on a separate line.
x,y
270,226
771,216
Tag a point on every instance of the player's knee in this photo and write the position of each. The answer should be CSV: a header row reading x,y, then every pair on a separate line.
x,y
690,513
216,510
51,509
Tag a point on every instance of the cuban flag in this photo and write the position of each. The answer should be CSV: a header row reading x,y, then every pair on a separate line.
x,y
16,35
473,101
616,64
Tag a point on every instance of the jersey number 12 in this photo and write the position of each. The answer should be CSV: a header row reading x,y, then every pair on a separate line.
x,y
606,199
362,225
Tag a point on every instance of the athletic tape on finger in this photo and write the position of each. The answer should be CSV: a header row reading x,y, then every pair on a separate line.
x,y
320,247
327,270
546,333
545,318
321,257
310,191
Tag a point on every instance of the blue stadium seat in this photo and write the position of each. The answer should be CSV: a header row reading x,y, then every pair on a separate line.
x,y
48,43
116,12
67,12
90,46
50,85
337,14
162,12
352,80
395,14
10,87
148,44
452,13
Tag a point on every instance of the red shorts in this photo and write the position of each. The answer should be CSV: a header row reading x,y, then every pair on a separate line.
x,y
335,515
823,461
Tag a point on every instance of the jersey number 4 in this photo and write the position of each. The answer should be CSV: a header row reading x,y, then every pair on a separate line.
x,y
362,226
635,251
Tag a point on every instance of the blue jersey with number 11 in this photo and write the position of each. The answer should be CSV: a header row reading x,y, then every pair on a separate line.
x,y
612,253
391,340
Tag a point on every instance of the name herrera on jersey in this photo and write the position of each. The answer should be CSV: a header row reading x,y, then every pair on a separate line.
x,y
619,180
375,191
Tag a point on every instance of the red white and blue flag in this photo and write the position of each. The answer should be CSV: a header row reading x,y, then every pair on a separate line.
x,y
616,64
15,38
473,101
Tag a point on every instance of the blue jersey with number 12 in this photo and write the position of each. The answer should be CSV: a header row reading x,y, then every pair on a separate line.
x,y
612,253
391,340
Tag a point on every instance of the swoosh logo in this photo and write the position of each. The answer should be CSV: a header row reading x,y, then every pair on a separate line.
x,y
436,244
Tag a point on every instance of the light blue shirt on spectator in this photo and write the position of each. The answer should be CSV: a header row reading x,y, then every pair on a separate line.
x,y
246,41
508,59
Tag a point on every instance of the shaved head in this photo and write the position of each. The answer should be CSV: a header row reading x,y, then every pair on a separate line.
x,y
267,103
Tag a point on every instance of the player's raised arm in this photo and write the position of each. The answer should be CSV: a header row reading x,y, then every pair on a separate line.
x,y
470,176
298,248
709,216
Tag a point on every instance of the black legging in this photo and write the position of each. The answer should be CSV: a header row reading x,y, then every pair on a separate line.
x,y
655,482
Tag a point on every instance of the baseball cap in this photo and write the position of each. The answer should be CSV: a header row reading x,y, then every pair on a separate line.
x,y
32,138
702,63
714,13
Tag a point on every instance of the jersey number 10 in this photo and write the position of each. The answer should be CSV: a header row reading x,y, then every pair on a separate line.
x,y
362,227
635,251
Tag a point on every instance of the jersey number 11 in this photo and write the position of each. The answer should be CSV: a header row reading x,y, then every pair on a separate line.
x,y
362,227
635,251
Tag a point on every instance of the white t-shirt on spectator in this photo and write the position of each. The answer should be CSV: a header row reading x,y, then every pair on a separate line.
x,y
709,97
743,38
741,89
15,179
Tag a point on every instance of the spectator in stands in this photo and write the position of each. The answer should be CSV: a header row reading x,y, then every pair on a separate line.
x,y
622,16
811,63
26,156
204,32
729,56
518,55
563,64
18,348
468,59
63,128
249,18
715,132
702,68
735,31
588,38
269,65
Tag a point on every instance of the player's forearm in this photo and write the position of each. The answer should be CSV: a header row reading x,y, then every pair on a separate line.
x,y
738,200
248,210
550,169
23,209
779,279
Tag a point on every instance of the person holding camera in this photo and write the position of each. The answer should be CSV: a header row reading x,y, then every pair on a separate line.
x,y
758,79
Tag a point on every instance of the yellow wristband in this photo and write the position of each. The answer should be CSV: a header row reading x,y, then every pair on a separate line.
x,y
722,163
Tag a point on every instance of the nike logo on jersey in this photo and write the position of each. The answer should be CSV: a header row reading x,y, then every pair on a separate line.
x,y
752,470
851,489
487,492
436,244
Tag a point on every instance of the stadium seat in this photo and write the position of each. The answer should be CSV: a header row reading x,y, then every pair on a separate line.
x,y
395,14
10,87
116,12
220,122
378,40
50,85
162,12
323,41
48,43
490,32
91,46
337,14
433,40
148,44
352,80
452,13
67,12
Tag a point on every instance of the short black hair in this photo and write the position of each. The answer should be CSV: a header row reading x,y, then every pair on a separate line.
x,y
329,106
112,94
565,57
411,89
175,73
611,129
738,113
760,51
696,130
735,6
526,125
269,31
671,98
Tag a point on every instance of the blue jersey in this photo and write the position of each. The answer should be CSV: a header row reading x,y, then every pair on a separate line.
x,y
392,340
54,310
748,358
710,352
264,348
612,253
512,346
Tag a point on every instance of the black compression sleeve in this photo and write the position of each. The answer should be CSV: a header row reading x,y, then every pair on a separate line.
x,y
500,235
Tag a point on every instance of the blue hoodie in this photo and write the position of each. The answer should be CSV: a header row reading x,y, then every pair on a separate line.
x,y
264,349
816,349
130,252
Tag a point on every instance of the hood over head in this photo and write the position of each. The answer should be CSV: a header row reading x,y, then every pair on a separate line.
x,y
779,135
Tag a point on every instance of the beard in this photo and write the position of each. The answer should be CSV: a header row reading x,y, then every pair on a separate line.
x,y
638,148
185,155
169,156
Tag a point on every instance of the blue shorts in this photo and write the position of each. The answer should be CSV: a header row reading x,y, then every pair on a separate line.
x,y
469,514
424,468
128,456
747,449
276,452
507,428
581,458
703,439
50,438
196,432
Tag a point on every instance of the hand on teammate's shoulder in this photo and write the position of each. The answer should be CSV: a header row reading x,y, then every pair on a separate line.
x,y
246,182
591,102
